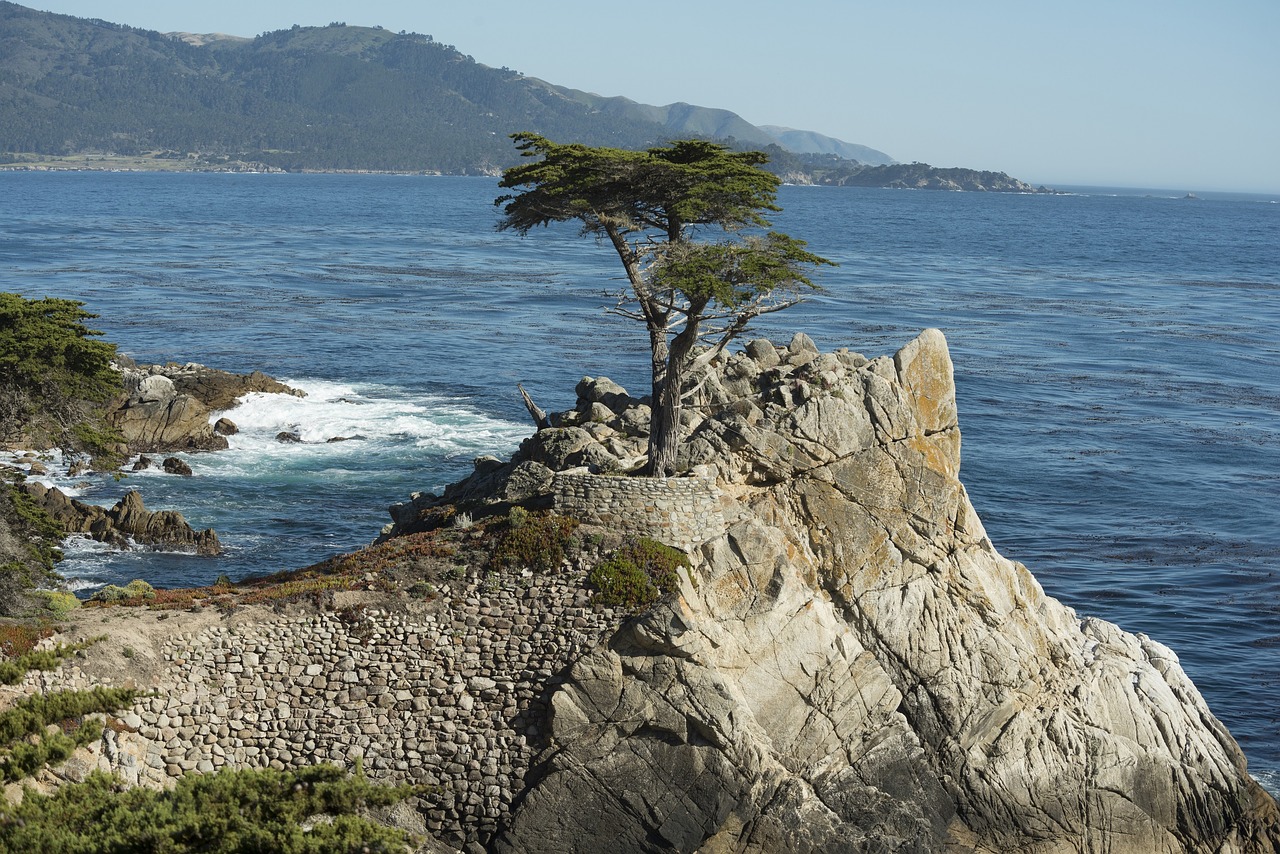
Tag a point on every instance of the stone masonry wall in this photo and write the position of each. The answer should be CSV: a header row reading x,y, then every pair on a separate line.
x,y
678,511
453,697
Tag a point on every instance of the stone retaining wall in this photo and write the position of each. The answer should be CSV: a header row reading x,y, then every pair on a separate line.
x,y
454,698
679,511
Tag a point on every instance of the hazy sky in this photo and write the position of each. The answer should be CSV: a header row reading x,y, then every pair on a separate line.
x,y
1177,94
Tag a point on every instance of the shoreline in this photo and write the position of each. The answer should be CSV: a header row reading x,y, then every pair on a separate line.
x,y
188,164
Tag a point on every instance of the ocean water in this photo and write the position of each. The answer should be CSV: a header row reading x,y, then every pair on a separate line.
x,y
1117,369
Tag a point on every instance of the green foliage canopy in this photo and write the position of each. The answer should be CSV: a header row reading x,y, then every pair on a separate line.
x,y
690,183
44,344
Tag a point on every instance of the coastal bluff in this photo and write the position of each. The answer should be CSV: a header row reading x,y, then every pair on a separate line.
x,y
848,664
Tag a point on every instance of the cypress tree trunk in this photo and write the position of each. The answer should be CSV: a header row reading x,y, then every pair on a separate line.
x,y
664,436
668,399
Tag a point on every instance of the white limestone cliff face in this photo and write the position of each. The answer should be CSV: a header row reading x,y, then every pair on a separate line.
x,y
855,667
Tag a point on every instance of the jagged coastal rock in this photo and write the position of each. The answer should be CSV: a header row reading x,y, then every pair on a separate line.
x,y
856,667
129,520
167,407
848,665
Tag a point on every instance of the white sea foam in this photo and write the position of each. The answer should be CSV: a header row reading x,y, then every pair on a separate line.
x,y
90,559
55,465
339,423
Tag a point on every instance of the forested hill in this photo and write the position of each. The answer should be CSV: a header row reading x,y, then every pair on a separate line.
x,y
331,97
328,98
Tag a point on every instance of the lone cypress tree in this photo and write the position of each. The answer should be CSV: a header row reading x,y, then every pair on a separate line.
x,y
656,208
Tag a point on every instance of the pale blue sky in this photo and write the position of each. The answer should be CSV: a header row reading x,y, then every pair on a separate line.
x,y
1176,94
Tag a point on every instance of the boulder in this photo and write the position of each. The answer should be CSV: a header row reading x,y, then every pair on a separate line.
x,y
173,465
155,388
763,353
225,427
177,422
604,391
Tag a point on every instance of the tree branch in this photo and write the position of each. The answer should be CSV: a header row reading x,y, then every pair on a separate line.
x,y
540,419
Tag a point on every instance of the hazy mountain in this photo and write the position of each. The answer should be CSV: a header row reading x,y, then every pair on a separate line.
x,y
810,142
335,97
308,97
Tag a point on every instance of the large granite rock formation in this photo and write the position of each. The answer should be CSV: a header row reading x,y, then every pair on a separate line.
x,y
128,521
853,666
167,407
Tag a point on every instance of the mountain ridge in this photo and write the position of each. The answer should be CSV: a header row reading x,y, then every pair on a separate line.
x,y
335,98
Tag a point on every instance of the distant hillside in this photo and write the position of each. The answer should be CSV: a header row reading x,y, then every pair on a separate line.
x,y
323,98
306,98
809,142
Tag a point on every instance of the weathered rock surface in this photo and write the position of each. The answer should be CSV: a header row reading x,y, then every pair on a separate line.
x,y
128,520
173,465
167,407
857,668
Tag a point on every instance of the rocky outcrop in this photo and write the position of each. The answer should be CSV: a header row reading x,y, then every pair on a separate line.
x,y
129,521
856,667
167,407
849,665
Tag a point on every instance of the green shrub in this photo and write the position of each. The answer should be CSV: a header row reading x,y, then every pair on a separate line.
x,y
26,746
136,589
27,757
422,590
534,540
139,589
103,442
110,593
638,574
12,671
57,603
32,714
229,811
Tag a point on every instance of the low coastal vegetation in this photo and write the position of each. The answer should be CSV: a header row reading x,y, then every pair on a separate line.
x,y
638,574
307,811
318,808
56,378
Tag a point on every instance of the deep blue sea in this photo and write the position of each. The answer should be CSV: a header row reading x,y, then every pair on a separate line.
x,y
1117,360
